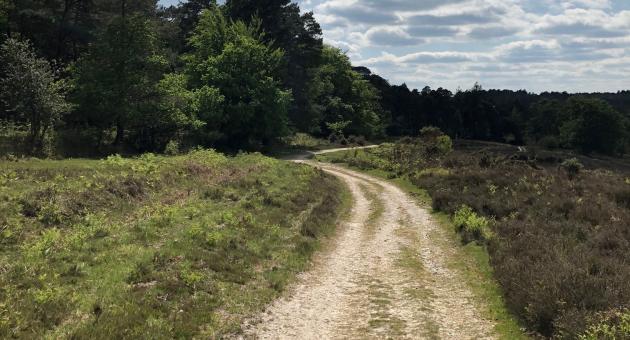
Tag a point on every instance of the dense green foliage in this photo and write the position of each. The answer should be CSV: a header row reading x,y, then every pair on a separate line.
x,y
31,93
153,247
232,73
253,71
556,230
344,96
115,82
587,122
300,36
236,76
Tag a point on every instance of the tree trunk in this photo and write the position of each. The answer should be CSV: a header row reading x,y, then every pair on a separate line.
x,y
61,35
120,134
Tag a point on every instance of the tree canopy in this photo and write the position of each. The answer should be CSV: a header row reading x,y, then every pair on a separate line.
x,y
238,74
31,92
233,74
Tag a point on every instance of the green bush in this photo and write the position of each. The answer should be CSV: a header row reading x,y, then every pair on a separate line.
x,y
433,172
613,325
572,167
472,225
303,140
430,132
444,145
172,148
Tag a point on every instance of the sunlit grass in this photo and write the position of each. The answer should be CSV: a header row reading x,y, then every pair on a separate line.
x,y
154,247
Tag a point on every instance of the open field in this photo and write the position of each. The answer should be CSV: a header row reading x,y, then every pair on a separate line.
x,y
154,247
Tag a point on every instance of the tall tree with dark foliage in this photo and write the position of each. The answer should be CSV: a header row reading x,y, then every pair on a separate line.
x,y
300,36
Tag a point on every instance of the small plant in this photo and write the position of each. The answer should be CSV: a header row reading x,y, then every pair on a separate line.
x,y
444,145
492,189
191,278
303,140
116,160
434,142
572,166
337,132
471,224
172,148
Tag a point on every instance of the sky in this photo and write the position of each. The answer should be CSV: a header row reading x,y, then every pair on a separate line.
x,y
537,45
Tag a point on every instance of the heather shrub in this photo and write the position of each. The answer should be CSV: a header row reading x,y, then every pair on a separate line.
x,y
559,238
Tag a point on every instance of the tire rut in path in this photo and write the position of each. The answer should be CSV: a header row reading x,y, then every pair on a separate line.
x,y
384,275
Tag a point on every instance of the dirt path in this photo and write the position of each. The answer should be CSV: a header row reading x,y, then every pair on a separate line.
x,y
384,276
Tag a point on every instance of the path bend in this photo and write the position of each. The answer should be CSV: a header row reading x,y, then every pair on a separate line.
x,y
384,276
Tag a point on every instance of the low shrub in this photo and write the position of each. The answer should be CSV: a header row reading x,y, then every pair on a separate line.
x,y
429,172
357,140
572,167
304,141
172,148
614,325
471,225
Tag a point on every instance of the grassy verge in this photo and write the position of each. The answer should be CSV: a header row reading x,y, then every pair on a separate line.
x,y
474,262
154,247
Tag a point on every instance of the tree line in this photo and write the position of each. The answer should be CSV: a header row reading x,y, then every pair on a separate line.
x,y
92,77
587,122
131,75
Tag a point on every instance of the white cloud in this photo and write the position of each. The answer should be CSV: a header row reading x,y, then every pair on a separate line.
x,y
533,44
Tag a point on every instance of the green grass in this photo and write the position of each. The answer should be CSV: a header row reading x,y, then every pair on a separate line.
x,y
154,247
474,262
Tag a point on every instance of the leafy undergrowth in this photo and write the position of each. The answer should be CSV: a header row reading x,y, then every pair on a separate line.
x,y
558,236
154,247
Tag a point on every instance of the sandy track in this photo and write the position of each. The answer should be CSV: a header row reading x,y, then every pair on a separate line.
x,y
384,275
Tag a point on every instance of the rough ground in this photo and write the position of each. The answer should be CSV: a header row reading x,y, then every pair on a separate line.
x,y
385,275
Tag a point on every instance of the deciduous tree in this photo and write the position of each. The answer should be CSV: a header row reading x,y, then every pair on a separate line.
x,y
31,90
233,74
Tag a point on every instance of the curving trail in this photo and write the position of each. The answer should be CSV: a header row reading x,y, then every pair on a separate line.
x,y
384,275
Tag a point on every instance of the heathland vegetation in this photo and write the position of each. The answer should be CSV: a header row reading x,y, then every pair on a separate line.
x,y
189,244
556,230
157,247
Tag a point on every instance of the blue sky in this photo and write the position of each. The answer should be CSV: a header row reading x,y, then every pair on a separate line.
x,y
538,45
